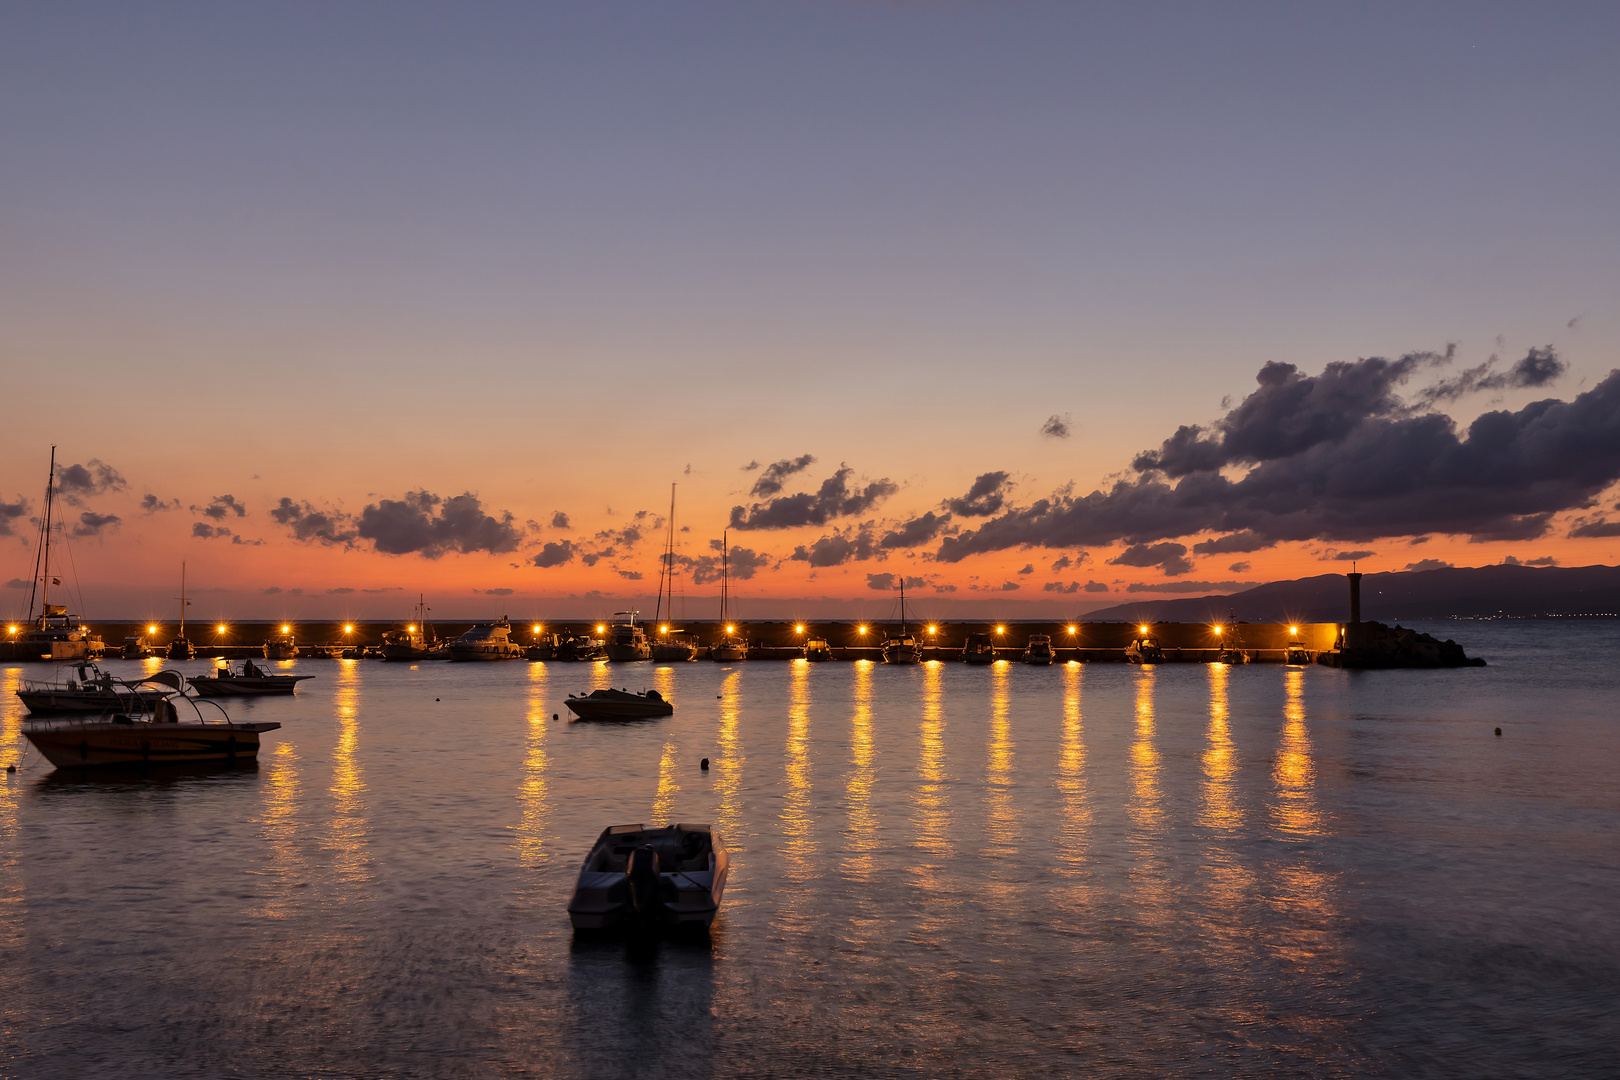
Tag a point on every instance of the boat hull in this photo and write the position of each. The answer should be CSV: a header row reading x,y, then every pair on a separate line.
x,y
247,686
465,653
673,653
412,653
728,653
143,745
622,652
66,702
618,705
689,896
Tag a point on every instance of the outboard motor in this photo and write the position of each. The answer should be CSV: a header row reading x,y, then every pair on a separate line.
x,y
645,884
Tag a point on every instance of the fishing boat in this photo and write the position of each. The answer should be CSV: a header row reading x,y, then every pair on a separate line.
x,y
1296,653
581,648
181,648
730,646
249,682
619,705
150,735
136,647
650,878
1038,650
903,648
626,639
979,649
817,650
671,645
53,634
87,689
1144,650
1232,650
417,641
282,646
487,641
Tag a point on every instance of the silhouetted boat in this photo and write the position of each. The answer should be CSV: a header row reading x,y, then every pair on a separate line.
x,y
674,645
730,646
136,647
150,735
670,645
487,641
1296,653
282,646
53,634
1230,655
87,690
181,648
249,682
979,649
1144,650
817,649
581,647
619,705
417,641
902,648
627,639
1039,650
650,878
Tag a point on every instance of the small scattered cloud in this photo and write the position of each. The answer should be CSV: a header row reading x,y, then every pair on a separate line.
x,y
559,520
497,592
91,523
834,499
10,512
1188,586
307,524
1538,368
986,496
151,504
1239,568
775,476
1060,587
1346,556
741,563
1028,568
947,588
849,545
916,532
1096,586
1428,564
201,530
1057,426
220,507
75,483
630,575
891,582
1595,529
1237,543
19,583
272,590
1169,557
1545,560
554,553
342,590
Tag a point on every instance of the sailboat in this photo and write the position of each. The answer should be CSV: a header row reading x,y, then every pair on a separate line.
x,y
728,647
54,634
902,648
417,641
180,648
670,644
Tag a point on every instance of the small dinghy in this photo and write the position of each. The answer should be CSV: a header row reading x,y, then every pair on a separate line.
x,y
619,705
650,878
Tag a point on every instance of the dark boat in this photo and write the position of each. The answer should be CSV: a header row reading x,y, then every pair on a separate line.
x,y
417,641
581,648
979,649
53,634
249,682
650,878
1039,649
902,648
1296,653
619,705
1144,650
89,691
817,649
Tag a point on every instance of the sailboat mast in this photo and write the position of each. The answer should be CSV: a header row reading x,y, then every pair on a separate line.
x,y
667,570
182,598
723,574
43,553
902,605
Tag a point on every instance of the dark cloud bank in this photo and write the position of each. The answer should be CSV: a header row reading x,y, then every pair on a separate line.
x,y
1341,455
418,523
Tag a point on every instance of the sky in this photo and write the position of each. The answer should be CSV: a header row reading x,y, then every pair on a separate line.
x,y
343,304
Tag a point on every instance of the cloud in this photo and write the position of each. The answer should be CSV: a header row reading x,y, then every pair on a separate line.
x,y
834,499
1059,587
1007,586
1057,427
1168,557
1595,529
342,590
309,524
429,525
201,530
221,506
92,524
945,588
891,582
1239,568
771,481
1029,568
915,532
385,588
630,575
1235,544
1188,586
1062,563
987,496
1538,368
75,483
559,520
1428,564
1349,556
1545,560
151,504
555,554
742,563
1096,586
849,545
19,583
1339,456
10,512
498,592
272,590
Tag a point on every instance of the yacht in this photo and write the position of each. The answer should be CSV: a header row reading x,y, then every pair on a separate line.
x,y
730,646
903,648
487,641
53,634
417,641
674,645
817,649
136,647
626,638
249,682
1039,650
579,647
281,646
1296,653
979,649
1144,650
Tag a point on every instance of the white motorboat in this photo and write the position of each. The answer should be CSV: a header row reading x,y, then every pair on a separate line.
x,y
249,682
487,641
816,649
282,646
650,878
1039,649
87,690
627,639
1144,650
619,705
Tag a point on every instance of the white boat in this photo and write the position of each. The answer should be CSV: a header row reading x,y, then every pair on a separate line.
x,y
1144,650
135,647
619,705
282,646
249,682
816,649
902,648
626,639
730,646
487,641
1039,649
87,689
53,634
417,641
149,736
650,878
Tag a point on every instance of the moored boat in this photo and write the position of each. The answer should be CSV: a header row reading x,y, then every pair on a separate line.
x,y
181,648
902,648
650,878
730,646
53,634
1144,650
979,649
626,639
282,646
487,641
416,641
87,690
817,650
673,646
619,705
150,736
249,682
1038,650
136,647
1296,653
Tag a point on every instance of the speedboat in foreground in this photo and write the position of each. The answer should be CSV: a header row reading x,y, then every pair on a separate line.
x,y
87,690
152,734
619,705
649,878
249,682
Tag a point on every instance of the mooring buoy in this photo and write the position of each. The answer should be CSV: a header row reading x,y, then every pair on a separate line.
x,y
704,764
1498,733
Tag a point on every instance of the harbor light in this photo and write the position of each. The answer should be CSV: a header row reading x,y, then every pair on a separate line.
x,y
1001,629
220,629
348,628
536,628
412,629
1293,631
151,629
799,629
11,629
861,629
1073,629
730,629
600,629
663,629
933,630
1217,630
286,629
1141,629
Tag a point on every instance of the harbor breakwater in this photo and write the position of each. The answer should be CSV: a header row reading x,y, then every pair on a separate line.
x,y
780,640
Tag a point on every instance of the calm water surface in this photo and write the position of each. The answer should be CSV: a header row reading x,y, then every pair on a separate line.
x,y
937,871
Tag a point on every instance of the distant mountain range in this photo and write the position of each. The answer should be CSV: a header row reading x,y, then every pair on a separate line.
x,y
1453,592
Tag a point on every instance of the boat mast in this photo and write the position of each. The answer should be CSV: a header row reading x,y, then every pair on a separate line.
x,y
902,605
42,554
182,598
723,542
667,570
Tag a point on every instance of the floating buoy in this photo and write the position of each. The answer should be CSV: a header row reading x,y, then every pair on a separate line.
x,y
11,768
717,697
704,764
435,699
1498,733
554,716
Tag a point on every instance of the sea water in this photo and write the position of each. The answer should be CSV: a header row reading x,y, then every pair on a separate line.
x,y
943,870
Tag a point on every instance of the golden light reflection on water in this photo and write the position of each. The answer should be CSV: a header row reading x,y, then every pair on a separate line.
x,y
12,891
932,802
798,844
669,786
284,871
729,767
1294,772
1075,826
534,800
349,830
1001,826
1146,808
1219,809
861,839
